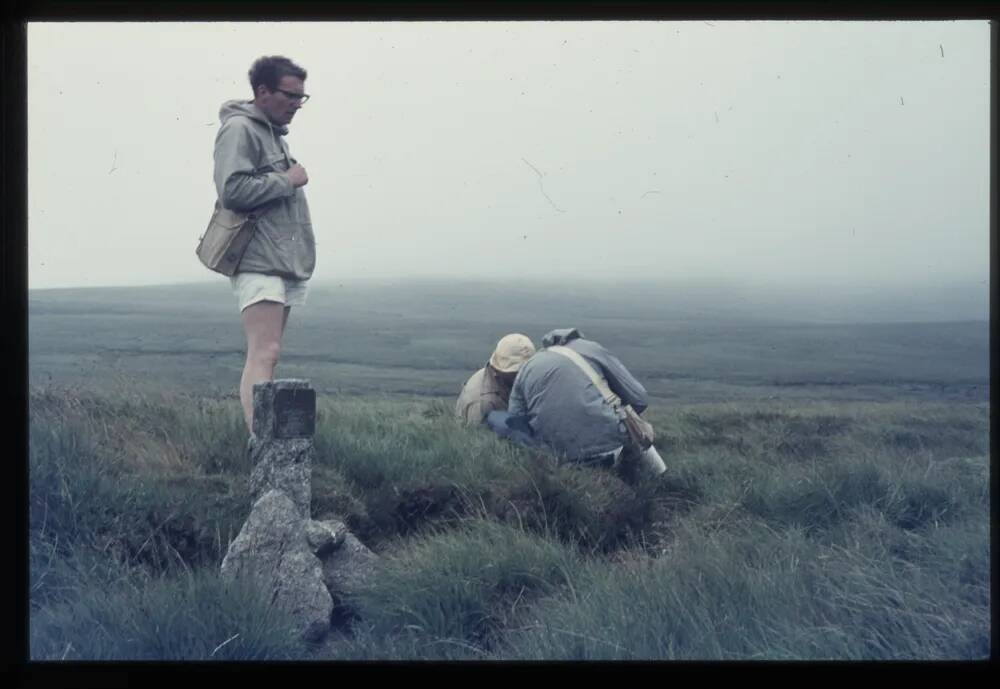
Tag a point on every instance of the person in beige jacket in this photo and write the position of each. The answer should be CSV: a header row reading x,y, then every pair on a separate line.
x,y
488,389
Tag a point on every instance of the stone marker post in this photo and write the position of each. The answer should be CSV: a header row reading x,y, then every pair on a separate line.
x,y
284,422
303,565
275,548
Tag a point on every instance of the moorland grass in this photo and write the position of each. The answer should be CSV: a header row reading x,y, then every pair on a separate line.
x,y
191,615
459,588
754,592
846,531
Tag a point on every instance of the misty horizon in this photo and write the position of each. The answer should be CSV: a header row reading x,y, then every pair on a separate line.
x,y
951,302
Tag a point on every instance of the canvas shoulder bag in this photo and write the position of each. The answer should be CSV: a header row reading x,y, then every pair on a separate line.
x,y
225,240
228,235
639,430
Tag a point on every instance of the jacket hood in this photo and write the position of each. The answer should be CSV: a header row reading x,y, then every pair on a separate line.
x,y
247,108
560,336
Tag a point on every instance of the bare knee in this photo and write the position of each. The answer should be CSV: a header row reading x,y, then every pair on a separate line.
x,y
264,354
263,323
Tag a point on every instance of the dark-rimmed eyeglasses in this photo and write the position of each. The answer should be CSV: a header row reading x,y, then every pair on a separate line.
x,y
297,97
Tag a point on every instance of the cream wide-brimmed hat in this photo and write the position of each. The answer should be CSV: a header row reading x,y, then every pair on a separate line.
x,y
511,351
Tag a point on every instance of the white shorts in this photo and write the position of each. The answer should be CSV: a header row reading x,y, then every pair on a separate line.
x,y
251,288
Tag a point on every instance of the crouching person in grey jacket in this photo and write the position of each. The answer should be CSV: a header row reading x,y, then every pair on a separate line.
x,y
554,402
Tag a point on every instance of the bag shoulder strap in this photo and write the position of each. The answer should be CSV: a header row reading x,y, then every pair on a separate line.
x,y
609,397
252,215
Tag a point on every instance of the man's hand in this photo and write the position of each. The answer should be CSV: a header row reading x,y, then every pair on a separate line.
x,y
296,174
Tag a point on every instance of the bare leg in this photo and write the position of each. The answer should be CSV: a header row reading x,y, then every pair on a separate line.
x,y
264,323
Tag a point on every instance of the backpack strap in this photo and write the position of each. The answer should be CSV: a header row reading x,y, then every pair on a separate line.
x,y
599,382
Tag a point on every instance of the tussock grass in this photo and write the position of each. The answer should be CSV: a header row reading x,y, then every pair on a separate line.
x,y
820,530
194,616
753,592
460,588
415,466
152,433
398,442
86,499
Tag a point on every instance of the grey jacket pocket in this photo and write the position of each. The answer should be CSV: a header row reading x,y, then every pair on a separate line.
x,y
278,231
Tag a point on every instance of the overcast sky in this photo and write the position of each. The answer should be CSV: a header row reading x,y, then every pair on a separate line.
x,y
779,152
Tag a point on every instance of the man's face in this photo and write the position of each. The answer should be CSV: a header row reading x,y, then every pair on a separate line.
x,y
278,105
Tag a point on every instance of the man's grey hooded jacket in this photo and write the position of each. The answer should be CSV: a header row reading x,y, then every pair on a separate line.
x,y
563,407
250,157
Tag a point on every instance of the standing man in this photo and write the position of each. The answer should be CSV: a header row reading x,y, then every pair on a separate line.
x,y
254,171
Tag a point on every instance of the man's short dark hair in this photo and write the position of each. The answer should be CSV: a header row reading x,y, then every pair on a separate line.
x,y
269,71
